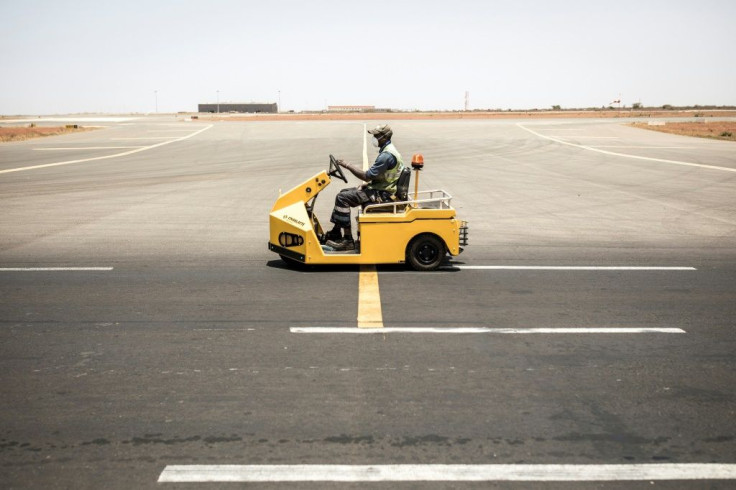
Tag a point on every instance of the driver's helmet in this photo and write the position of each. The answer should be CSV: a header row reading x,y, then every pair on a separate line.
x,y
382,131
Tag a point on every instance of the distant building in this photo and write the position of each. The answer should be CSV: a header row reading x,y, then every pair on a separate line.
x,y
242,108
351,108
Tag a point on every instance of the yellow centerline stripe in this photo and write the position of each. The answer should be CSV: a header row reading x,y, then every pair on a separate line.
x,y
369,295
369,299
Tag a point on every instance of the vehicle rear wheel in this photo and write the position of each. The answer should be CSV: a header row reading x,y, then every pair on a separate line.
x,y
426,253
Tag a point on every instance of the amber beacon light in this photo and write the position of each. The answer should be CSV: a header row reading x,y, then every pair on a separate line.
x,y
417,163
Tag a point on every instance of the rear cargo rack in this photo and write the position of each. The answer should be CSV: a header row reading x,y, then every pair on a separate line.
x,y
464,234
435,199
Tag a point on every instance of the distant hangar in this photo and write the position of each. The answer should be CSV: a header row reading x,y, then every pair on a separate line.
x,y
237,107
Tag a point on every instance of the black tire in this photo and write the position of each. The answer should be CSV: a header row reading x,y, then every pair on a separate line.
x,y
425,253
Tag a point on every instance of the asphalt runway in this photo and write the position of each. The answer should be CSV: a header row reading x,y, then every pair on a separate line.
x,y
145,327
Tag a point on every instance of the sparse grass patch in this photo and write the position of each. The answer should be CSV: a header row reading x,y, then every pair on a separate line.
x,y
33,131
722,130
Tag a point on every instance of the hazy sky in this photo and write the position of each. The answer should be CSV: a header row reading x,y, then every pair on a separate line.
x,y
111,56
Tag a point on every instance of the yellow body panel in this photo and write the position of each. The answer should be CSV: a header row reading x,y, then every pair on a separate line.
x,y
303,192
384,236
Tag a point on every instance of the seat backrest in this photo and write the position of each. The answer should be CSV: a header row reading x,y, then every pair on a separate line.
x,y
402,185
402,194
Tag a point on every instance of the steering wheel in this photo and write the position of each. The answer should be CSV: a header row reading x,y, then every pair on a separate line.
x,y
336,170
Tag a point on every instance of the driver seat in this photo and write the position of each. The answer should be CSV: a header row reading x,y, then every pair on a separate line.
x,y
402,185
402,191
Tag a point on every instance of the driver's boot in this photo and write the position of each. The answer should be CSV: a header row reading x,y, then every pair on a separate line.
x,y
345,244
334,234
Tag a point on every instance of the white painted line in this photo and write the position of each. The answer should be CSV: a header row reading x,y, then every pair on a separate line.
x,y
566,268
451,330
53,269
143,138
626,155
105,157
446,472
178,125
647,147
365,147
89,148
595,137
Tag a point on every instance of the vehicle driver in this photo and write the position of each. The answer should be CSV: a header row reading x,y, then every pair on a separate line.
x,y
380,186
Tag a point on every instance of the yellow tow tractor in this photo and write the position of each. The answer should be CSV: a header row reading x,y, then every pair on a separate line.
x,y
419,231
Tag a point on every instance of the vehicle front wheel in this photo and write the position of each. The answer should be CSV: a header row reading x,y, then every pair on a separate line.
x,y
425,253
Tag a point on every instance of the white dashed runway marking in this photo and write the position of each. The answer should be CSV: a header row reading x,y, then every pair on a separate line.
x,y
446,472
55,269
456,330
568,268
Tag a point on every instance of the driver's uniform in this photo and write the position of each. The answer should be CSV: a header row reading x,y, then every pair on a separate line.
x,y
383,175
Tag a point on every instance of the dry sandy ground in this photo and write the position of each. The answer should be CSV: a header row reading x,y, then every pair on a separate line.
x,y
723,130
20,134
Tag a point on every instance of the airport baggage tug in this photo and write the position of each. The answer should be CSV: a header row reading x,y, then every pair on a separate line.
x,y
419,231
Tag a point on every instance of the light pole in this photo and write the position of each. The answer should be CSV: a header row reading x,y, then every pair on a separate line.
x,y
218,101
278,109
155,93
